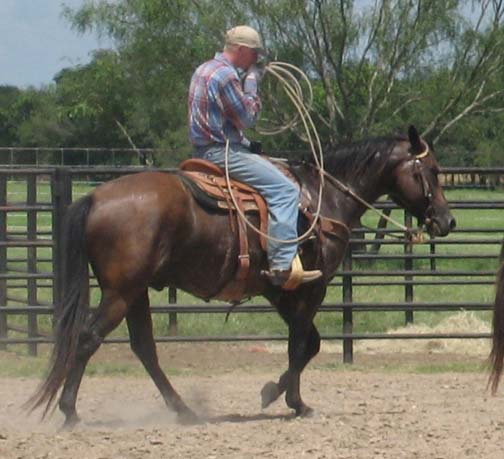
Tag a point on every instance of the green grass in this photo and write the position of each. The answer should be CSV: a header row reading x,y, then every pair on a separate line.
x,y
328,323
454,367
472,366
18,364
36,367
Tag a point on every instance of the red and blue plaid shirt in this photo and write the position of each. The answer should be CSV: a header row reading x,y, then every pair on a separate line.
x,y
219,109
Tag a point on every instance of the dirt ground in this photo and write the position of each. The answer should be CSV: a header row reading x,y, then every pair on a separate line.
x,y
376,409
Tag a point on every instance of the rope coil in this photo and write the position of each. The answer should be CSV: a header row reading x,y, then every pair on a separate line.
x,y
293,89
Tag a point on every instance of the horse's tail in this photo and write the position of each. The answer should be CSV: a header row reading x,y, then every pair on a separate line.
x,y
497,353
74,308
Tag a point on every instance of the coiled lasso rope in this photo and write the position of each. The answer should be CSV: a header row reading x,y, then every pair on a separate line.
x,y
283,72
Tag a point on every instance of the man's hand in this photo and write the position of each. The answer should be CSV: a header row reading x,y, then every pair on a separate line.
x,y
255,147
254,75
258,70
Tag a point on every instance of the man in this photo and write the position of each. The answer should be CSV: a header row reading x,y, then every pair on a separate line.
x,y
221,105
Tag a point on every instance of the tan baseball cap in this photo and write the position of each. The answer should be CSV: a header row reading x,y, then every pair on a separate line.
x,y
245,36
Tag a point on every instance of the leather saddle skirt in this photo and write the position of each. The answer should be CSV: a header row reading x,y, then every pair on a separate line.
x,y
211,180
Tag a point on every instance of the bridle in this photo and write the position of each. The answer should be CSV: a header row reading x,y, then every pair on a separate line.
x,y
420,170
412,235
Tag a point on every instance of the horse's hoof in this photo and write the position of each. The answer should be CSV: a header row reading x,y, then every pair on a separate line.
x,y
305,411
70,422
269,393
188,418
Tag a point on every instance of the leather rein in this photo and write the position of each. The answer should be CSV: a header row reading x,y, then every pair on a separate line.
x,y
412,235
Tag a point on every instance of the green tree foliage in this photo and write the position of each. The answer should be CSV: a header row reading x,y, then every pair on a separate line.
x,y
94,98
8,121
29,118
160,44
375,67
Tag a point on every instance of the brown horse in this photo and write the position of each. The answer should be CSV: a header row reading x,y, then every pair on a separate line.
x,y
147,230
497,352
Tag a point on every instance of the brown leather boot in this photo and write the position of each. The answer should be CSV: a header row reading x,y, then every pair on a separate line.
x,y
292,278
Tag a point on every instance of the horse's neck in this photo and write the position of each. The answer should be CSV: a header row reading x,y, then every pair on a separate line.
x,y
344,206
338,204
369,188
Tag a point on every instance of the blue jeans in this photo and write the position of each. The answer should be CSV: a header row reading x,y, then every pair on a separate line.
x,y
280,193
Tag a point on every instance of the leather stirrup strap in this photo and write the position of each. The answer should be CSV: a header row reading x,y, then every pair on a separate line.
x,y
243,256
263,218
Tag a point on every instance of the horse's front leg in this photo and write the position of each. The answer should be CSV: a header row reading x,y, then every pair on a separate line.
x,y
304,344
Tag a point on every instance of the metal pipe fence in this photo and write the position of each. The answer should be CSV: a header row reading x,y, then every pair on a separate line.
x,y
23,157
30,268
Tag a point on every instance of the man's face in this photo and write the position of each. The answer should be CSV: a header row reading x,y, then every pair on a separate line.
x,y
246,57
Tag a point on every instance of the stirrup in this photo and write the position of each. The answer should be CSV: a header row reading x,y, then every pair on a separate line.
x,y
293,278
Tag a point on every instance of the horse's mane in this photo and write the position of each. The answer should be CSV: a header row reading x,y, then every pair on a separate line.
x,y
351,160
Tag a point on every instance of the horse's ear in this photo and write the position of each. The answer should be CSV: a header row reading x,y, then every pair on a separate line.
x,y
414,138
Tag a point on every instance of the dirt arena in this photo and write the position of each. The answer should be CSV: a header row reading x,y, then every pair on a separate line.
x,y
379,408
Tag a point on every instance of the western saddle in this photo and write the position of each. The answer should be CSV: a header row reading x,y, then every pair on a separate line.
x,y
211,181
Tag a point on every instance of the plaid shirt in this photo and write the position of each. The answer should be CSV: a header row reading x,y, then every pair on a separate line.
x,y
218,107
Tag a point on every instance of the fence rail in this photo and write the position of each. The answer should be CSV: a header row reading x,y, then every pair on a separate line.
x,y
23,157
30,262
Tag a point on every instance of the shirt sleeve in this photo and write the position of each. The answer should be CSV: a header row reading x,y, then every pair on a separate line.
x,y
241,108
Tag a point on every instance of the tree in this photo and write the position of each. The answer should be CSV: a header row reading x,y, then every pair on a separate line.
x,y
373,64
8,97
95,98
370,65
159,44
41,125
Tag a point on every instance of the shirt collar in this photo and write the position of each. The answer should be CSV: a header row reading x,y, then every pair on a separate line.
x,y
221,58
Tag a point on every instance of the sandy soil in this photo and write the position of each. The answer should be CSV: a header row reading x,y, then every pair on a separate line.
x,y
367,412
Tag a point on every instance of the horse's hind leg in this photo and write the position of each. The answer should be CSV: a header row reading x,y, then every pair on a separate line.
x,y
142,343
111,311
88,344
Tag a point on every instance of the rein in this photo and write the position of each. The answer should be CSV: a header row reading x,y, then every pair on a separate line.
x,y
412,235
293,90
348,191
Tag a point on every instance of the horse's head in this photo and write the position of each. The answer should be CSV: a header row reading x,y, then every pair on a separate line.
x,y
414,185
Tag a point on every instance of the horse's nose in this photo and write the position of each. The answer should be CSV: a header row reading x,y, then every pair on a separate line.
x,y
452,223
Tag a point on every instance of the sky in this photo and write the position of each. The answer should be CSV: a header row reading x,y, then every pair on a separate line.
x,y
36,42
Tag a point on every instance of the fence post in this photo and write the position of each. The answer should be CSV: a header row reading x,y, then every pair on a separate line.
x,y
61,187
408,266
433,258
347,310
379,236
31,200
172,316
3,260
